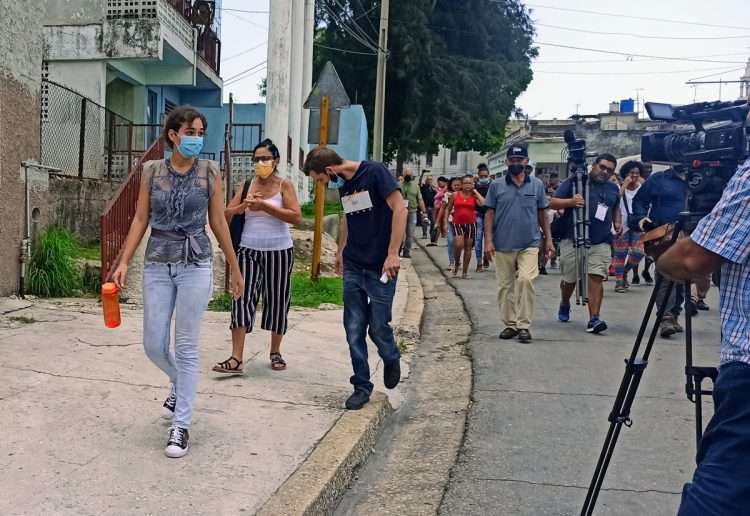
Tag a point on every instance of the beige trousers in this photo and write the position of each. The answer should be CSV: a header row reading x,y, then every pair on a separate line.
x,y
515,272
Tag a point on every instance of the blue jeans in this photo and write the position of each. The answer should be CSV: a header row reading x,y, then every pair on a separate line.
x,y
449,237
721,483
479,241
182,290
367,311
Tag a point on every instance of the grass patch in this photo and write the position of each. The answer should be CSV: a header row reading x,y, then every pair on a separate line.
x,y
329,208
53,271
92,251
304,293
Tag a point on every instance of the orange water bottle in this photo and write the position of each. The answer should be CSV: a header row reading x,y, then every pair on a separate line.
x,y
111,305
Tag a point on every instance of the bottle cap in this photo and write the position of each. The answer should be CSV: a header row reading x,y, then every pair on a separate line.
x,y
109,289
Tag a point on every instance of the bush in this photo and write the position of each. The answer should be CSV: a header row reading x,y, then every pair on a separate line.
x,y
53,271
329,208
304,293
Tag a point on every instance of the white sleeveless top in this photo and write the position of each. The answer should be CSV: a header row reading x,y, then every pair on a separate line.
x,y
264,232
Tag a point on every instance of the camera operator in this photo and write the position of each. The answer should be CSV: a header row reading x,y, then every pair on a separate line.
x,y
721,483
658,202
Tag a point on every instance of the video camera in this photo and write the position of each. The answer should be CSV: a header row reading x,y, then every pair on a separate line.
x,y
576,148
709,151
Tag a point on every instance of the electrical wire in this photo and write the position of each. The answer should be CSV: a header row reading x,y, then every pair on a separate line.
x,y
229,79
244,52
715,74
345,51
346,28
628,54
664,20
241,10
607,74
249,21
240,79
596,61
640,36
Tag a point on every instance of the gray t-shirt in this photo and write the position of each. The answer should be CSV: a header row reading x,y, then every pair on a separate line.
x,y
179,205
516,223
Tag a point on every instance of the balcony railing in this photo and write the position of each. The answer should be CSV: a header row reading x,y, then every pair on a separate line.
x,y
209,48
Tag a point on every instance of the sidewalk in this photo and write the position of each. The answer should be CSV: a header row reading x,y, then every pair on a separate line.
x,y
82,433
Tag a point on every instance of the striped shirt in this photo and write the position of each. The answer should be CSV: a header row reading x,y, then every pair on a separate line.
x,y
726,232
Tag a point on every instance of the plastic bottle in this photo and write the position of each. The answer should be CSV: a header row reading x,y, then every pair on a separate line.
x,y
111,305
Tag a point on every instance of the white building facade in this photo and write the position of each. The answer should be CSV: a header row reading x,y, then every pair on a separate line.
x,y
447,162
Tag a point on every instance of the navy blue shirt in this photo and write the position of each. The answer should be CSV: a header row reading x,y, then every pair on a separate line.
x,y
664,194
607,193
369,231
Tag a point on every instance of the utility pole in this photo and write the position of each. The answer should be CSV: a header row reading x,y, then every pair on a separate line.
x,y
638,101
377,137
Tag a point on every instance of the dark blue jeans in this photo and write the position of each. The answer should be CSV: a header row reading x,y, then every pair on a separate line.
x,y
367,311
721,483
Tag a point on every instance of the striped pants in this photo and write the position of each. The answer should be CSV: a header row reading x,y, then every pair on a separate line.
x,y
269,272
628,248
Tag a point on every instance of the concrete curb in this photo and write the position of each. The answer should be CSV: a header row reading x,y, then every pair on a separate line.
x,y
318,483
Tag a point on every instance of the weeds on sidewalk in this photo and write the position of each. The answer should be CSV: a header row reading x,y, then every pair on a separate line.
x,y
330,208
305,293
53,271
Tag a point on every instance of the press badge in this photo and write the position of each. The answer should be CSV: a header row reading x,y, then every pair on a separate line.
x,y
601,212
358,201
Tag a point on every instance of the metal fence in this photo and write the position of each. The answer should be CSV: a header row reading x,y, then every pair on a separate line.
x,y
79,136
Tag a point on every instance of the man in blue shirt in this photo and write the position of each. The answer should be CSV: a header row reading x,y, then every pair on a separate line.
x,y
660,201
516,210
604,213
369,239
721,483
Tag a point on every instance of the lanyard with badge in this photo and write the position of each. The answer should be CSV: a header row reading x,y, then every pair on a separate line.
x,y
356,202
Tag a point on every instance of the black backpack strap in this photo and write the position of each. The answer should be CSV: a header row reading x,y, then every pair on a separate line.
x,y
245,189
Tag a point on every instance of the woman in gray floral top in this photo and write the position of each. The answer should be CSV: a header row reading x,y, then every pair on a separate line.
x,y
177,195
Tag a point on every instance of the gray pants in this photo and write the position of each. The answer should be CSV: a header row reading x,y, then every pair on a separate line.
x,y
676,297
411,221
427,227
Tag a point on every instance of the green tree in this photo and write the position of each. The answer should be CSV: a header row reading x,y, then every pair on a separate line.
x,y
455,68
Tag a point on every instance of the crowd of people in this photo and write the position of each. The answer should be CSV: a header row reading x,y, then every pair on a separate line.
x,y
525,223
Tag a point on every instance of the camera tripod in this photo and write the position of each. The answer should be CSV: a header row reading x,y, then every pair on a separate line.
x,y
635,366
581,240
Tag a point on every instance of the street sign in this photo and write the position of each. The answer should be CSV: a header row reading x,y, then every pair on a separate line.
x,y
328,85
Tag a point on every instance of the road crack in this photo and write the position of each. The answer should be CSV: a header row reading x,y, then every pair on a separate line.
x,y
573,486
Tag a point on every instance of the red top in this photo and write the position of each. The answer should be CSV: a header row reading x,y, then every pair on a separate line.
x,y
464,209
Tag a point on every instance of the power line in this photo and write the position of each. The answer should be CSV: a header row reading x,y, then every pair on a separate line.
x,y
628,54
664,20
250,22
715,74
641,36
357,32
244,52
240,79
345,51
593,61
229,79
664,72
241,10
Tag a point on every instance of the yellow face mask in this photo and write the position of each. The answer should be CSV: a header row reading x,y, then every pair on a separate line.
x,y
264,170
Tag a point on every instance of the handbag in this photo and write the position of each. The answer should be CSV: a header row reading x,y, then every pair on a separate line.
x,y
658,240
237,224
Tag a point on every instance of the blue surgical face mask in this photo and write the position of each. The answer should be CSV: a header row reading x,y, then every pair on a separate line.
x,y
335,185
190,146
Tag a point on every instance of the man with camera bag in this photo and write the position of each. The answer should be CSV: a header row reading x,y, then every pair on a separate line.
x,y
721,483
658,204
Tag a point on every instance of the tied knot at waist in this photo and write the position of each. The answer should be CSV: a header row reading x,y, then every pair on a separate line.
x,y
192,248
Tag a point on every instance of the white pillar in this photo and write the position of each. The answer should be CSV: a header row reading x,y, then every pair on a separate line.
x,y
278,86
307,81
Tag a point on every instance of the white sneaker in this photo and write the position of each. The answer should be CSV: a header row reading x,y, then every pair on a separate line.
x,y
177,445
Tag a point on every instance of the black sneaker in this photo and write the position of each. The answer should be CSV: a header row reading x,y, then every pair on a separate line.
x,y
524,336
508,333
167,410
177,445
543,271
701,305
357,400
691,308
596,326
392,374
647,277
636,280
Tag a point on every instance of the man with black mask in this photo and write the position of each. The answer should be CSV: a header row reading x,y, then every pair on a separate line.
x,y
482,186
413,200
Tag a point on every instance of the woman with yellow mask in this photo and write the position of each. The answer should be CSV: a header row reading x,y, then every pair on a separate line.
x,y
265,254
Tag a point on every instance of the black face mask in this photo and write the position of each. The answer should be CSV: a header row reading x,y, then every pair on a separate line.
x,y
408,178
516,170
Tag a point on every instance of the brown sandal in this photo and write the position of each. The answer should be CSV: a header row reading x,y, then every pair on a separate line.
x,y
227,368
277,363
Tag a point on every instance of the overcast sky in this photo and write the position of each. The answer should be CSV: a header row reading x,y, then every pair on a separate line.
x,y
567,80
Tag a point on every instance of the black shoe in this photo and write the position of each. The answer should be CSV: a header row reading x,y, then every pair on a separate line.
x,y
392,374
647,277
167,410
691,309
177,445
596,326
357,400
701,305
543,271
636,280
508,333
524,336
405,255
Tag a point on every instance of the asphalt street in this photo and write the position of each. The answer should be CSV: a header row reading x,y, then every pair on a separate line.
x,y
539,412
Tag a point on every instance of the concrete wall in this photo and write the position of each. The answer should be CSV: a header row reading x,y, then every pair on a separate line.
x,y
74,12
353,135
77,204
21,47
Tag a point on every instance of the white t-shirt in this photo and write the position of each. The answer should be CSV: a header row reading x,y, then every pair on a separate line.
x,y
627,199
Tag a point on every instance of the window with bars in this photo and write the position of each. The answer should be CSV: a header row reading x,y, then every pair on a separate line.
x,y
44,93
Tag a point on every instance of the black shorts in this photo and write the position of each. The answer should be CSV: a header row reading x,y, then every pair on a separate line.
x,y
465,230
